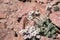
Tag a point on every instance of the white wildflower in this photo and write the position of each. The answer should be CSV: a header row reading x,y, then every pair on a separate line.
x,y
38,36
29,36
25,36
37,12
30,17
36,32
31,31
31,12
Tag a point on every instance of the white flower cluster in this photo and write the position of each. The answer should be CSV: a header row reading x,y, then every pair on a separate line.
x,y
30,17
33,13
30,31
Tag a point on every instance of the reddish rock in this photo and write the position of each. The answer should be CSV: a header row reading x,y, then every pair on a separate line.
x,y
6,1
55,18
2,15
22,22
2,25
17,9
45,38
25,8
31,6
58,36
31,23
41,8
